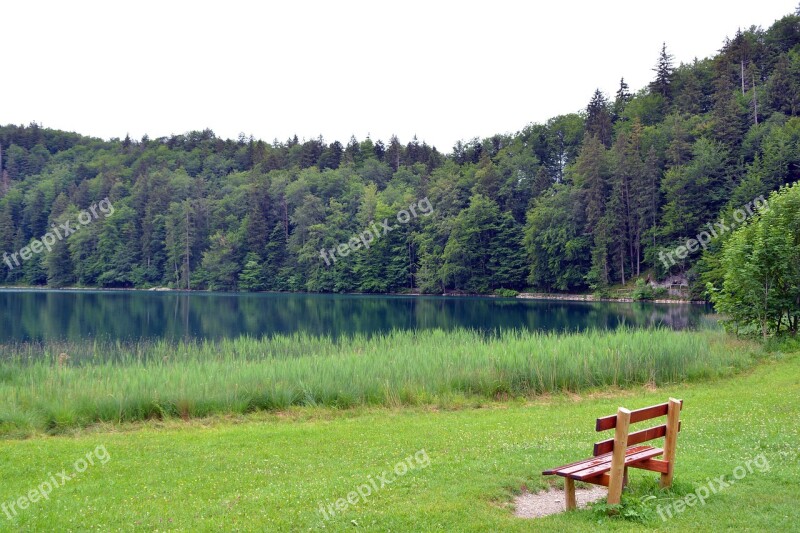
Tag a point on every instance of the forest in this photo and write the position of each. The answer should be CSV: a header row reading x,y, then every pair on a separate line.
x,y
581,203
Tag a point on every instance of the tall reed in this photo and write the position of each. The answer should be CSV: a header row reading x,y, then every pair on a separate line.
x,y
53,386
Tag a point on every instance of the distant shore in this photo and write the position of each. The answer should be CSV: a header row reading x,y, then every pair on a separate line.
x,y
592,298
522,295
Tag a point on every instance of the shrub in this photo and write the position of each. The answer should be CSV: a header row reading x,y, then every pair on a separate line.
x,y
643,291
506,293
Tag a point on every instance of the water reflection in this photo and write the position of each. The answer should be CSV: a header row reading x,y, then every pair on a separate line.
x,y
30,315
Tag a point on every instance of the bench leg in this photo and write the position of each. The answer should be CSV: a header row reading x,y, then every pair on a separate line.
x,y
569,490
671,440
617,472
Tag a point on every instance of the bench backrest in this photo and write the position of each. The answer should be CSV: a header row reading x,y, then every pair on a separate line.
x,y
639,415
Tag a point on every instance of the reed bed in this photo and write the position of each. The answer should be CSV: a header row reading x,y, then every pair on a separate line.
x,y
54,386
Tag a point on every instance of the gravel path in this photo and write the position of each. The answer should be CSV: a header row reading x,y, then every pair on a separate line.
x,y
552,501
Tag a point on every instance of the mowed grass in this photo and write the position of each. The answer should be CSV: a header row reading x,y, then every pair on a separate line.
x,y
271,472
57,387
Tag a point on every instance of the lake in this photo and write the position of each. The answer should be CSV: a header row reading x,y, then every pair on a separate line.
x,y
47,315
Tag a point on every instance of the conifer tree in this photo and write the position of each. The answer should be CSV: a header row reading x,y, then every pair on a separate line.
x,y
663,83
728,119
593,176
598,118
621,100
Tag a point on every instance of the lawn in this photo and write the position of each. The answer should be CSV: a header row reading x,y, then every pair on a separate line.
x,y
273,471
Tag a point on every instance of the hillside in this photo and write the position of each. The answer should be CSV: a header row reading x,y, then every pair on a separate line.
x,y
582,202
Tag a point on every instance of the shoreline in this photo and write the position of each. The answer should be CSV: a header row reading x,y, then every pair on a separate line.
x,y
521,296
592,298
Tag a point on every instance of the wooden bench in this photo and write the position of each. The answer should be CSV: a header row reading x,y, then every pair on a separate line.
x,y
612,457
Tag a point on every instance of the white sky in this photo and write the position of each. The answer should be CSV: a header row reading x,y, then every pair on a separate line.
x,y
442,70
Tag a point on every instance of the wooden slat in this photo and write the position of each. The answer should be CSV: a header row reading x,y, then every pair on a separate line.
x,y
653,465
559,469
580,465
637,437
639,415
604,462
588,463
602,479
643,455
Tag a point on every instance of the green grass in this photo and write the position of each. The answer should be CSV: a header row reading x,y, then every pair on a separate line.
x,y
270,472
43,390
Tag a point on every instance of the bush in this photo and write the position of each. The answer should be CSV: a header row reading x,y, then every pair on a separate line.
x,y
761,265
506,293
659,293
643,291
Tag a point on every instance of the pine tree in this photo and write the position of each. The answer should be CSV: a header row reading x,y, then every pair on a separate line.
x,y
379,150
253,275
679,150
728,119
352,153
740,52
394,153
651,197
275,256
59,266
628,179
621,100
782,89
663,83
592,171
256,223
507,260
690,97
598,118
614,229
592,174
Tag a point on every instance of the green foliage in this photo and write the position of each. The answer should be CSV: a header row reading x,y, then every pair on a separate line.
x,y
557,246
253,276
480,253
694,191
506,293
582,201
760,263
631,509
643,291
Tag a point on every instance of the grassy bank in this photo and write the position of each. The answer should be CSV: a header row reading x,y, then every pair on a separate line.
x,y
53,387
271,472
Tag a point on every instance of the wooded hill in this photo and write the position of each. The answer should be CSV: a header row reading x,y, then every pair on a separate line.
x,y
582,202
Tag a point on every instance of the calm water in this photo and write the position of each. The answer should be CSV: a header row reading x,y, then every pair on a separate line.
x,y
131,315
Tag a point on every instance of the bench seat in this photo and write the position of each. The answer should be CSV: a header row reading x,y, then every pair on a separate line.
x,y
597,466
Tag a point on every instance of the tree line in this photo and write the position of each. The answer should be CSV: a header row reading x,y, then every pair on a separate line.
x,y
582,202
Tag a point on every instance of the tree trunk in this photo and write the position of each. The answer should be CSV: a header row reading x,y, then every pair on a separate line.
x,y
285,219
742,62
188,274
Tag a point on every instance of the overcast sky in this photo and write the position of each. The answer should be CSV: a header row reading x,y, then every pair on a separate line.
x,y
441,70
